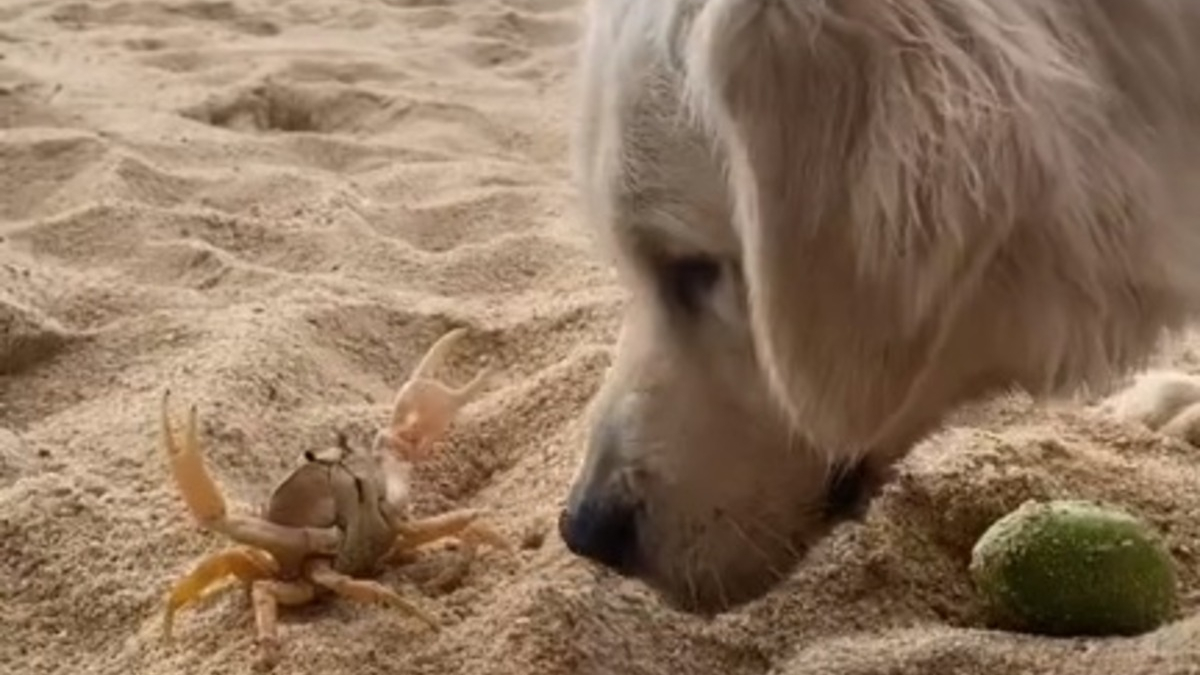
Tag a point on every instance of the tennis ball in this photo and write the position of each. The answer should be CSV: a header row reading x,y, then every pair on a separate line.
x,y
1074,568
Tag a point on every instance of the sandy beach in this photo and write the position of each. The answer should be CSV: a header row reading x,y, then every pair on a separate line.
x,y
274,207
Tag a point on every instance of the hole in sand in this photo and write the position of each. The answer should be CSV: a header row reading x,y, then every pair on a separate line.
x,y
274,106
27,337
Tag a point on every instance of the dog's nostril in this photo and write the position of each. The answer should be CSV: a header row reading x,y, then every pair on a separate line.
x,y
603,532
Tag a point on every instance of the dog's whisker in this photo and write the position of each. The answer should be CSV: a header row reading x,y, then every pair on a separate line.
x,y
719,584
754,546
788,544
689,578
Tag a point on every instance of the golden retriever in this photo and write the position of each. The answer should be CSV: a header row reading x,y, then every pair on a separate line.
x,y
838,221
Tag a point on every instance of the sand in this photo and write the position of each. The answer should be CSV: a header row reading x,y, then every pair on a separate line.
x,y
273,207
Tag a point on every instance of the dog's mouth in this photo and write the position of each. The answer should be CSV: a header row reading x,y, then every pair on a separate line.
x,y
701,591
707,588
707,594
849,491
624,547
704,592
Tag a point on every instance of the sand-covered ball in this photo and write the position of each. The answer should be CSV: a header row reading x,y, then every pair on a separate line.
x,y
1074,568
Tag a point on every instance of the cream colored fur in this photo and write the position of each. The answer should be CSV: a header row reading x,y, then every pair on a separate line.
x,y
913,204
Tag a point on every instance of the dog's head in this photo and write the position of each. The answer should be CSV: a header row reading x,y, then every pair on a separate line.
x,y
693,479
814,282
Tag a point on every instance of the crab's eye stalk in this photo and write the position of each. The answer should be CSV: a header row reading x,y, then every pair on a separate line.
x,y
332,454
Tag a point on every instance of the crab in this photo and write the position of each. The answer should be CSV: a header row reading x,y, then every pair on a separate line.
x,y
336,521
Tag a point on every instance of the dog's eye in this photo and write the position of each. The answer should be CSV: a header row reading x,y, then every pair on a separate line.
x,y
687,282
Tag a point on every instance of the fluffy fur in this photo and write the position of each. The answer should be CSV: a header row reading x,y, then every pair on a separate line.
x,y
839,220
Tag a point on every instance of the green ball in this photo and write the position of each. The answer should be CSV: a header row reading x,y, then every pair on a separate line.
x,y
1074,568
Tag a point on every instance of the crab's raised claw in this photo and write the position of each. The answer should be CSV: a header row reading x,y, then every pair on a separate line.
x,y
207,506
424,406
365,590
196,486
245,564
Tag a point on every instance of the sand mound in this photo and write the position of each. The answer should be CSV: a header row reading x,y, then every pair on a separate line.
x,y
274,207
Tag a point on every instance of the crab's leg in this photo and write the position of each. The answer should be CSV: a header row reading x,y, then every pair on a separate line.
x,y
245,564
462,524
424,406
267,595
414,534
480,533
321,572
204,500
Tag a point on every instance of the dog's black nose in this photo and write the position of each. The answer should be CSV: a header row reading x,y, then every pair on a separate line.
x,y
601,531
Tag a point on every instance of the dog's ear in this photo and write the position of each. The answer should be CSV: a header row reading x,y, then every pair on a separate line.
x,y
876,166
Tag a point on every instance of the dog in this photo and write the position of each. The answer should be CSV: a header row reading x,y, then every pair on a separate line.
x,y
840,220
